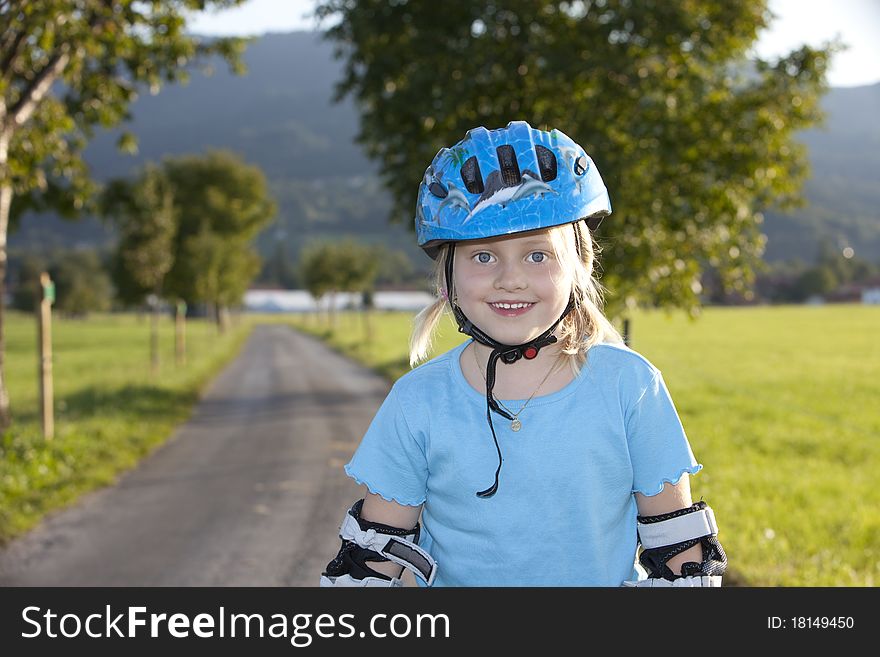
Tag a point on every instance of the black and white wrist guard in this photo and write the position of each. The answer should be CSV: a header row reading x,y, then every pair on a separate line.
x,y
364,542
668,534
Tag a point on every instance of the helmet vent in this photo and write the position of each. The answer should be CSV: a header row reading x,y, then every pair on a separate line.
x,y
438,190
510,175
471,176
546,163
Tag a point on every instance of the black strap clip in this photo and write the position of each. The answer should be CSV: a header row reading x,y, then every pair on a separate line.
x,y
511,355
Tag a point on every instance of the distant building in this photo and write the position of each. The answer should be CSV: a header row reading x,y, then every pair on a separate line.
x,y
866,291
870,291
299,301
849,293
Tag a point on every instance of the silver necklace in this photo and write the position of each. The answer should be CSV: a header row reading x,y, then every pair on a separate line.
x,y
516,423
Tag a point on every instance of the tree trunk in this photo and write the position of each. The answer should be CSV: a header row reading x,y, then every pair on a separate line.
x,y
222,318
180,333
333,310
5,206
368,325
31,97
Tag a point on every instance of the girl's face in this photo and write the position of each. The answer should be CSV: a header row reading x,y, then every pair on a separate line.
x,y
511,287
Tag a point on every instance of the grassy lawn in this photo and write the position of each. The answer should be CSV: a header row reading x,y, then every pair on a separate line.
x,y
109,410
781,407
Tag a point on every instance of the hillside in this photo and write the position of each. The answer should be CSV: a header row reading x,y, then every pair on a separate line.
x,y
843,193
281,117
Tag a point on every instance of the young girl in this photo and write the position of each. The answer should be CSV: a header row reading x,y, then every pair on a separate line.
x,y
542,452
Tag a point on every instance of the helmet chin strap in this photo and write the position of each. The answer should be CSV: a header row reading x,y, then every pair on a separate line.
x,y
506,353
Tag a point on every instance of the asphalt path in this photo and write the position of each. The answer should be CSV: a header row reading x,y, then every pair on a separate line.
x,y
249,492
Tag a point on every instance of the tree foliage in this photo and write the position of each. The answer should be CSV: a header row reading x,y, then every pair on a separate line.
x,y
70,65
67,66
222,204
221,268
146,220
186,227
693,139
28,290
344,266
82,284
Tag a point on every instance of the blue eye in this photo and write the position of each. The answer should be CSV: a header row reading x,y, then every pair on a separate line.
x,y
483,258
537,256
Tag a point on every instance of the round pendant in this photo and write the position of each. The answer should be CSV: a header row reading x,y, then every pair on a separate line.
x,y
516,425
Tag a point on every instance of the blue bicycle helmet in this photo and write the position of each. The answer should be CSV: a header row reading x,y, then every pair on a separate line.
x,y
504,181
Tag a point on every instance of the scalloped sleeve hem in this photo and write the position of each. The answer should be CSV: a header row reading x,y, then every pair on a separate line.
x,y
399,499
657,488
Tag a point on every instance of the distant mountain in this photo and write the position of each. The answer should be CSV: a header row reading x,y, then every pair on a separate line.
x,y
281,117
843,192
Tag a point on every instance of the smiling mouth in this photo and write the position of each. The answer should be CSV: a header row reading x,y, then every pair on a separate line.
x,y
511,309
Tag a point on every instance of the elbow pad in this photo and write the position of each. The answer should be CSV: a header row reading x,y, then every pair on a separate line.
x,y
665,535
364,542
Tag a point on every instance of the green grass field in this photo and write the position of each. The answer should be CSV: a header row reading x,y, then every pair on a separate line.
x,y
110,410
781,407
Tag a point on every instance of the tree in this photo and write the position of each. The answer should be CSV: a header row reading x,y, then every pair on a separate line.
x,y
394,267
185,228
222,203
693,140
145,216
28,291
344,266
815,281
843,264
65,67
359,268
222,270
82,284
319,272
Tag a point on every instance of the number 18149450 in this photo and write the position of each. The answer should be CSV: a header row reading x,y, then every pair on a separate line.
x,y
810,622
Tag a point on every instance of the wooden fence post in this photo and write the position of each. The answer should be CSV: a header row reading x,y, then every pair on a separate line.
x,y
44,322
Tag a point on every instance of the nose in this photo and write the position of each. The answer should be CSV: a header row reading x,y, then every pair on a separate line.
x,y
511,277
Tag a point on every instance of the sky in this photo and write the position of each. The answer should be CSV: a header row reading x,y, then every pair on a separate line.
x,y
855,22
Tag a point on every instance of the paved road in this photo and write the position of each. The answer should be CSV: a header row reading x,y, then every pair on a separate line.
x,y
249,492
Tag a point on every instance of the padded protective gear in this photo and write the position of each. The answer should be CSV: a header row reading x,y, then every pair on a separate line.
x,y
504,181
363,542
665,535
691,581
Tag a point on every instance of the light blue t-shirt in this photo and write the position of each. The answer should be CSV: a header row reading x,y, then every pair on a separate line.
x,y
564,513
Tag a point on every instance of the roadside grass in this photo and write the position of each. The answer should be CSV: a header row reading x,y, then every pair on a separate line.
x,y
781,407
110,411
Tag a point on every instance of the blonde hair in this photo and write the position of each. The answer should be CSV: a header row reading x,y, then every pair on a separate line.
x,y
585,326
